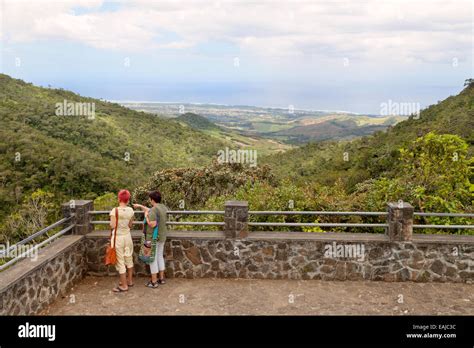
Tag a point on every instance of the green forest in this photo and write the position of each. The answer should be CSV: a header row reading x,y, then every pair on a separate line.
x,y
46,160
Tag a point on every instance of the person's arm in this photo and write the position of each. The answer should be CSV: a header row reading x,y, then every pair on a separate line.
x,y
142,207
113,219
151,218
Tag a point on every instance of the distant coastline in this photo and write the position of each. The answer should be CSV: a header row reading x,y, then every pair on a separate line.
x,y
121,102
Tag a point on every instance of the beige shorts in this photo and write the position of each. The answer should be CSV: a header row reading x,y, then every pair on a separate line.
x,y
124,251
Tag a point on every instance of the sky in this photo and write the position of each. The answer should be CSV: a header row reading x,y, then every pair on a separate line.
x,y
323,55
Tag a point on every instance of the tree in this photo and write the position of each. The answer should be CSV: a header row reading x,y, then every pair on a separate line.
x,y
33,215
434,175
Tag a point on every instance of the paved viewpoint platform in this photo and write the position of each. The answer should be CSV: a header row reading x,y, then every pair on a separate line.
x,y
207,296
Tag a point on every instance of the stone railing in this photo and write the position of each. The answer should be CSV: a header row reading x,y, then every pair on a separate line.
x,y
237,252
398,224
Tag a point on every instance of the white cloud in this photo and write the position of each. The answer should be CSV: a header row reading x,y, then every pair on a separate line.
x,y
436,30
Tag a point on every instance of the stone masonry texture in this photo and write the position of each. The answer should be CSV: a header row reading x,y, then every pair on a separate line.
x,y
268,259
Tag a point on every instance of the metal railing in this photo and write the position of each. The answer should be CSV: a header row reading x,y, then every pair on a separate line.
x,y
34,249
317,224
299,224
355,213
467,215
292,212
170,212
180,213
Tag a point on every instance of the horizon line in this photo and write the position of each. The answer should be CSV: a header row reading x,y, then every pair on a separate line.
x,y
237,105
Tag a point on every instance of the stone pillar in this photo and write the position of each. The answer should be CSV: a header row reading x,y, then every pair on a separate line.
x,y
236,219
82,218
400,221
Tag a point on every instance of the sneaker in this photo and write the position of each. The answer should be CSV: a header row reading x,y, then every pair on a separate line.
x,y
152,285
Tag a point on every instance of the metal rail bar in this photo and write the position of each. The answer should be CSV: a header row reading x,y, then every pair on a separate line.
x,y
362,213
443,214
287,212
445,226
101,212
196,223
296,224
204,223
36,247
196,212
37,234
171,212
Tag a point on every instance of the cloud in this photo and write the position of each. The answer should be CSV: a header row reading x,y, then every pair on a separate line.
x,y
436,30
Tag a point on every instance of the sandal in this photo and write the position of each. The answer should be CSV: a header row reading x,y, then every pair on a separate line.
x,y
152,285
161,281
119,289
129,285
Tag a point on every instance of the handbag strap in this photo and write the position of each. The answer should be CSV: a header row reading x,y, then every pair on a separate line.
x,y
155,232
116,227
144,226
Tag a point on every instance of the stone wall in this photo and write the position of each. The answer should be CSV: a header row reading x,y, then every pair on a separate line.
x,y
95,246
30,286
398,255
269,255
27,287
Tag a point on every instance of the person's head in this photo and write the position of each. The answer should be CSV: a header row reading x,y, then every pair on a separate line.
x,y
123,196
155,196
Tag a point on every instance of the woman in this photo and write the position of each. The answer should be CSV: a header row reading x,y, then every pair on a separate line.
x,y
124,243
157,215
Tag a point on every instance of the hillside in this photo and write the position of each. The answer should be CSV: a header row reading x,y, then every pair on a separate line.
x,y
81,156
293,127
328,130
235,138
48,157
368,157
337,126
197,121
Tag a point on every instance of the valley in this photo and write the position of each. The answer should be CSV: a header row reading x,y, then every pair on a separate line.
x,y
290,126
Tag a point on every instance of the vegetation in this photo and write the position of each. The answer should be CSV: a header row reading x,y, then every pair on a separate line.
x,y
283,125
47,159
74,157
190,188
197,121
379,154
434,175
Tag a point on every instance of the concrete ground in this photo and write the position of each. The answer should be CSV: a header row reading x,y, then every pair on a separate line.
x,y
93,296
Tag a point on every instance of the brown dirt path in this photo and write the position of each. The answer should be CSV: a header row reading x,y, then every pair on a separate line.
x,y
93,296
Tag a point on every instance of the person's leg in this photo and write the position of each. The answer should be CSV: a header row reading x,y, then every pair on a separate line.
x,y
120,265
154,270
128,258
123,280
130,276
161,260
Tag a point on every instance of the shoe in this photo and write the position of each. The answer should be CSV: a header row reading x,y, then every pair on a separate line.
x,y
152,285
119,289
